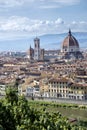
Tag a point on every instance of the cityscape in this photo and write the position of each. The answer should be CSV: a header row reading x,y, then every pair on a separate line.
x,y
43,65
60,73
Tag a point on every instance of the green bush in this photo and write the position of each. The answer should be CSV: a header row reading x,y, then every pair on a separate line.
x,y
16,114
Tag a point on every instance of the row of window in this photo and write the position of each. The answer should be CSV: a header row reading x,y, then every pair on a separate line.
x,y
59,83
64,86
66,91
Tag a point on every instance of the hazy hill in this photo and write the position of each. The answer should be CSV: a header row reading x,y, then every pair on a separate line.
x,y
48,41
55,40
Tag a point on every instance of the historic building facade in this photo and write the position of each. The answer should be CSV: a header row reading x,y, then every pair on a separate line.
x,y
64,88
37,53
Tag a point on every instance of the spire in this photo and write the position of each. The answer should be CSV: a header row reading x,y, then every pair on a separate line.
x,y
30,47
70,32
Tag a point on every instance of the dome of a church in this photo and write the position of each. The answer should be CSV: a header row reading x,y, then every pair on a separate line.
x,y
70,40
70,44
70,48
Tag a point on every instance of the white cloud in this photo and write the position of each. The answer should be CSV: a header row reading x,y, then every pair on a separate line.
x,y
21,24
41,3
68,2
74,22
78,26
59,21
83,22
9,3
48,4
57,1
17,26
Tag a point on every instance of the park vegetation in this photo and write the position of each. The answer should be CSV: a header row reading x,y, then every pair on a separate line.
x,y
16,113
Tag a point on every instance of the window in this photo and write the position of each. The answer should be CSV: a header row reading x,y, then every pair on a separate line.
x,y
72,50
77,88
65,49
77,97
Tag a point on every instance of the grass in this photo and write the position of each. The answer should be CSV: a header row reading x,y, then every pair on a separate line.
x,y
69,110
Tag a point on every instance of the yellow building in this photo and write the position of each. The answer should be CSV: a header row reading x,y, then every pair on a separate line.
x,y
78,91
64,88
58,87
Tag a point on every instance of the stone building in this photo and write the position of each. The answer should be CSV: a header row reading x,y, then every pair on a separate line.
x,y
37,49
64,88
70,48
30,53
37,53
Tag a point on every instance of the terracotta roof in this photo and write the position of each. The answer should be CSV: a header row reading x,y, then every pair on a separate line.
x,y
59,80
70,41
79,85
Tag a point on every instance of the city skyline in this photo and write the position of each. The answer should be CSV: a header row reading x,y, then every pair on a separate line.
x,y
22,19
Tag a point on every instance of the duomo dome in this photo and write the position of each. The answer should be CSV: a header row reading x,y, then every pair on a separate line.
x,y
70,44
70,47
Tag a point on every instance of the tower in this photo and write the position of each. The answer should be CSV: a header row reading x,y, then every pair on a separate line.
x,y
36,49
30,53
42,54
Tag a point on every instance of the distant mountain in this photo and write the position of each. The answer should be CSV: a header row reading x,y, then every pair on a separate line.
x,y
54,41
48,41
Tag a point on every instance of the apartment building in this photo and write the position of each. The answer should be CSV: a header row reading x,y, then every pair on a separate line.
x,y
64,88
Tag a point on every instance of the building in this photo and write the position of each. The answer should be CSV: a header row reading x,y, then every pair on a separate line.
x,y
37,53
81,74
30,53
78,91
58,88
37,49
51,54
33,91
64,88
70,48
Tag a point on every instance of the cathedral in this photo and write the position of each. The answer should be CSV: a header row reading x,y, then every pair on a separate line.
x,y
70,48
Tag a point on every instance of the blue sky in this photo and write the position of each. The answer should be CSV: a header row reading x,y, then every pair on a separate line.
x,y
22,19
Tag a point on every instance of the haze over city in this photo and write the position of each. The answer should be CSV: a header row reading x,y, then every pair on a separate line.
x,y
22,20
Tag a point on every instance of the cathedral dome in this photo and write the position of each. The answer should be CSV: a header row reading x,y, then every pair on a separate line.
x,y
70,48
70,41
70,44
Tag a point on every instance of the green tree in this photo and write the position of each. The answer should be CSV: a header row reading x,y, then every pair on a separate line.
x,y
11,95
16,114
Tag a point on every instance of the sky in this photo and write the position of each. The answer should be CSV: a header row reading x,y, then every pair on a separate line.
x,y
22,19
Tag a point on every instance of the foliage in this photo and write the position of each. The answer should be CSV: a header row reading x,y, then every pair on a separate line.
x,y
16,114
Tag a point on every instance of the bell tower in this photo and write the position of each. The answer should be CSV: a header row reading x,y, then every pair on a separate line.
x,y
36,49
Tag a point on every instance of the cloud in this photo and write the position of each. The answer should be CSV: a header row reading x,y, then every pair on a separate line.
x,y
67,2
17,26
24,24
59,21
40,3
78,26
49,4
10,3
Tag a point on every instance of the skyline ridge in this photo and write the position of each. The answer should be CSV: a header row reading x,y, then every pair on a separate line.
x,y
53,40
